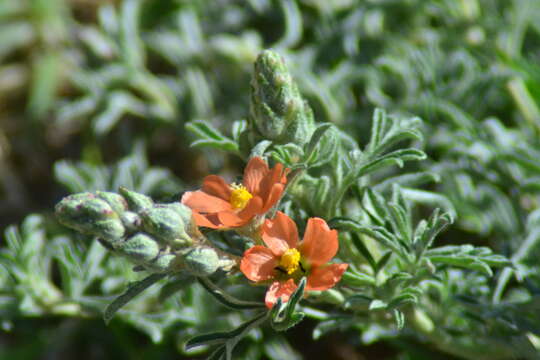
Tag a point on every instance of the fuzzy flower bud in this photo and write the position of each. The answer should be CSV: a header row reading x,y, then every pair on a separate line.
x,y
137,202
139,248
115,201
278,111
88,214
202,261
131,221
169,223
164,263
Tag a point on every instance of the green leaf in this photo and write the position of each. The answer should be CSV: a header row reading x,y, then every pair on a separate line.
x,y
260,148
397,157
399,317
383,261
283,316
221,337
402,300
359,244
350,278
408,180
467,256
335,323
132,291
426,233
378,233
358,301
208,136
227,299
377,304
375,206
315,139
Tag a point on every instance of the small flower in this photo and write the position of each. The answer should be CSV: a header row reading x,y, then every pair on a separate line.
x,y
284,260
219,205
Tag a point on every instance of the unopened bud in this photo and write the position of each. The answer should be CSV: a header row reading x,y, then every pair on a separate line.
x,y
132,221
167,223
90,215
137,202
116,202
164,263
278,111
140,248
201,261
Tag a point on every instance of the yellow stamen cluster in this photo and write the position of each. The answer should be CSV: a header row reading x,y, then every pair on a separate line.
x,y
239,196
290,260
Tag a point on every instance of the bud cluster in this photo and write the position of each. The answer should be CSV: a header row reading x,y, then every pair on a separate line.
x,y
159,238
278,111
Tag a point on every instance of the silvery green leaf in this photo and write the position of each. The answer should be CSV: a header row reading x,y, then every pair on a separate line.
x,y
351,278
399,317
397,157
227,299
377,304
283,316
132,291
293,25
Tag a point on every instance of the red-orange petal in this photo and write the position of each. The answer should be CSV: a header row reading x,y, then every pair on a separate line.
x,y
258,263
280,233
255,171
273,197
278,290
320,244
274,176
231,219
210,221
215,185
204,203
325,277
253,208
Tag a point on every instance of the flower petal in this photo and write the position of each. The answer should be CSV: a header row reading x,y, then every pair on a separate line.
x,y
231,219
273,197
258,263
274,176
280,233
210,220
215,185
325,277
204,203
254,207
254,172
320,244
278,290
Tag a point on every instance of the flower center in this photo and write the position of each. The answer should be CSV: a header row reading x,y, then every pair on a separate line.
x,y
239,196
290,260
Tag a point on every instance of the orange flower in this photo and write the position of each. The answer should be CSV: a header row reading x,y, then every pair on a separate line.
x,y
284,260
219,205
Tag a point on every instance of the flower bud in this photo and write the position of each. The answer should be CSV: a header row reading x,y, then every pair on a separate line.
x,y
139,248
137,202
278,111
131,221
163,263
116,202
201,261
167,223
90,215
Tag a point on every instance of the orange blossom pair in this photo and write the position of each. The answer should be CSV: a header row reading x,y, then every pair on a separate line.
x,y
284,260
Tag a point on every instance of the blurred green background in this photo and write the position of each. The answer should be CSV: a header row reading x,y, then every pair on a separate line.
x,y
95,94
